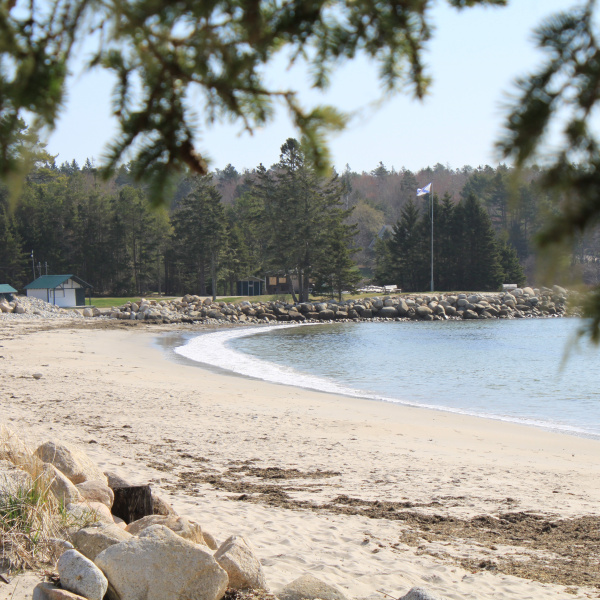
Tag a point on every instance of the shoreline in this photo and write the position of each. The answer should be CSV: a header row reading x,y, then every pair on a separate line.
x,y
332,386
345,488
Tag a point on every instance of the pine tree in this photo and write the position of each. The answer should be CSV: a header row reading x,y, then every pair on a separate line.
x,y
479,255
407,248
513,271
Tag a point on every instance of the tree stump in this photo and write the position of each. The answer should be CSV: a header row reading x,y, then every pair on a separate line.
x,y
132,502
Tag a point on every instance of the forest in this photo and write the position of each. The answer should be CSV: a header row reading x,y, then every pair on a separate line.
x,y
328,233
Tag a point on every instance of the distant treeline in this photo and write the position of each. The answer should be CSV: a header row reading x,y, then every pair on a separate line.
x,y
283,219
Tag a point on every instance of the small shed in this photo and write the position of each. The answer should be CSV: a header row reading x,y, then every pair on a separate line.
x,y
6,292
250,286
61,290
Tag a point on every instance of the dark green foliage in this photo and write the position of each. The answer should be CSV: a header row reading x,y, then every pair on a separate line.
x,y
466,250
513,271
303,223
198,238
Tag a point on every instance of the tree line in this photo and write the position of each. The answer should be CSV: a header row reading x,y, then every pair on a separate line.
x,y
325,233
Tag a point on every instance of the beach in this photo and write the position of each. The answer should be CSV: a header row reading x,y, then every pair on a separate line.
x,y
372,497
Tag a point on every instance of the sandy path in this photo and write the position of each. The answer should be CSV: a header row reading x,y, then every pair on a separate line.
x,y
206,439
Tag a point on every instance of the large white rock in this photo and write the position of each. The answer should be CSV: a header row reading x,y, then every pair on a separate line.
x,y
187,529
160,565
60,485
90,541
71,461
245,571
97,491
80,575
308,587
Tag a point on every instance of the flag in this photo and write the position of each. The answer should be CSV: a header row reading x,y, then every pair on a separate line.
x,y
425,190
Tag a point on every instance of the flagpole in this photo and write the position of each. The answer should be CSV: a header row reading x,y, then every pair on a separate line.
x,y
431,200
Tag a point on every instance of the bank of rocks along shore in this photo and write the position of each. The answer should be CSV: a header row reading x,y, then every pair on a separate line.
x,y
149,552
518,303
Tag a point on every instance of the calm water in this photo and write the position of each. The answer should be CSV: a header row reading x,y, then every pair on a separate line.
x,y
510,370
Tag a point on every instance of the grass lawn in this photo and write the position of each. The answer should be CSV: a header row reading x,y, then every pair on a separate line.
x,y
108,302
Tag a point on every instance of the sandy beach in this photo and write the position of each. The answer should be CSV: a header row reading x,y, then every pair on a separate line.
x,y
373,497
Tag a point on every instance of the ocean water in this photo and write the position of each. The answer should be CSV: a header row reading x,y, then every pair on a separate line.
x,y
528,371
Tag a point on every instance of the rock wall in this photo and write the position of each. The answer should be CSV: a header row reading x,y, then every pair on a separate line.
x,y
518,303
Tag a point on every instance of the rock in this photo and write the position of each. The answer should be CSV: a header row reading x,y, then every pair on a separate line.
x,y
237,558
180,568
210,540
97,491
37,375
388,312
60,485
423,311
80,575
470,314
419,594
189,530
13,479
71,461
115,480
308,587
88,312
161,507
89,512
90,541
46,591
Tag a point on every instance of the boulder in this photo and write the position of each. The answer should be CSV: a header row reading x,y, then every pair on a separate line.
x,y
46,591
90,541
13,479
308,587
161,507
423,311
80,575
71,461
470,314
89,512
88,312
180,568
97,491
189,530
243,568
402,308
60,485
388,312
418,594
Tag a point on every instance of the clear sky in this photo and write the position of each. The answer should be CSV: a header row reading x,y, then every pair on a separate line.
x,y
474,58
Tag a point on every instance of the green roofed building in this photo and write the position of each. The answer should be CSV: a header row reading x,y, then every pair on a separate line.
x,y
7,291
61,290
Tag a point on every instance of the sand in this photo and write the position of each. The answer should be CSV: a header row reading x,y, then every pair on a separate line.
x,y
373,497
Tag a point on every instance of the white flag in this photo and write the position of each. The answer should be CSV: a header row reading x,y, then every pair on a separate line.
x,y
425,190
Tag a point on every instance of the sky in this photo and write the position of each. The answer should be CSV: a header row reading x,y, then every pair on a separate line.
x,y
474,58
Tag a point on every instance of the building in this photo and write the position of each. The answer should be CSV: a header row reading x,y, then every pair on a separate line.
x,y
6,292
61,290
250,286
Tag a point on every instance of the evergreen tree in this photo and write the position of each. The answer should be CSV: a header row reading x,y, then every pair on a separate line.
x,y
479,256
513,271
407,249
301,211
198,237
